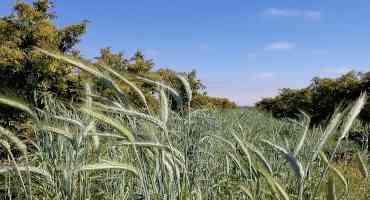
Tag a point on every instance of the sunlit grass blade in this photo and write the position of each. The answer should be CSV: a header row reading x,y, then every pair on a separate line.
x,y
108,165
304,135
361,165
35,170
134,113
260,156
171,91
106,135
336,172
187,87
92,70
108,120
129,83
246,191
74,62
294,163
244,149
353,113
164,107
57,131
237,162
6,146
331,193
276,188
18,105
13,139
145,144
330,130
69,120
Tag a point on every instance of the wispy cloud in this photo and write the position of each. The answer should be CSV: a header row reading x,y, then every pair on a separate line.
x,y
279,45
307,14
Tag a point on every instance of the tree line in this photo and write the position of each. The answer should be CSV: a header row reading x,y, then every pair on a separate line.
x,y
320,98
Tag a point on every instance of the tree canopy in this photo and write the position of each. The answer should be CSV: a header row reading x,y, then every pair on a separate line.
x,y
27,72
320,98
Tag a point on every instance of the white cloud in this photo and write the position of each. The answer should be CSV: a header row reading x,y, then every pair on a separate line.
x,y
280,45
307,14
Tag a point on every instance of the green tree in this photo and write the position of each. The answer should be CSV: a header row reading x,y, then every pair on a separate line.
x,y
116,61
288,103
139,65
31,75
321,98
198,88
27,72
327,94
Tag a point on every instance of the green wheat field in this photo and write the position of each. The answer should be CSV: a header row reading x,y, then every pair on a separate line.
x,y
113,128
105,149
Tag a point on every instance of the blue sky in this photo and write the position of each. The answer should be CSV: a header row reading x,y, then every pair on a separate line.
x,y
242,49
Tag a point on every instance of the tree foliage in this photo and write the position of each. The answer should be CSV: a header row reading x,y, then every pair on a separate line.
x,y
25,71
31,75
138,65
320,98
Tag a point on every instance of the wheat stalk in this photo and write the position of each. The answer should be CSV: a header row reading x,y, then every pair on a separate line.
x,y
107,165
14,139
18,105
361,165
115,124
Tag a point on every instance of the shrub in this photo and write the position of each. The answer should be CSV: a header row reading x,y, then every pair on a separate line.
x,y
320,98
